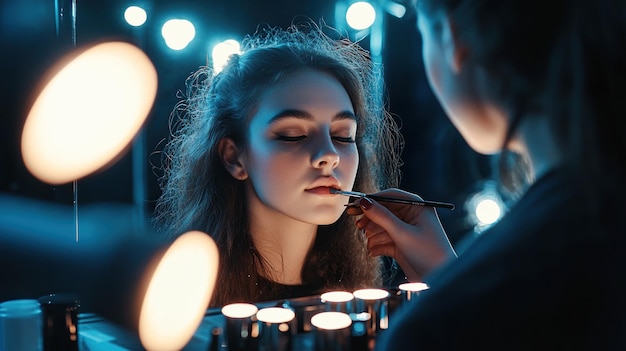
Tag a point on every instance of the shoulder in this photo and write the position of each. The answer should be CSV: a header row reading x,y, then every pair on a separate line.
x,y
544,275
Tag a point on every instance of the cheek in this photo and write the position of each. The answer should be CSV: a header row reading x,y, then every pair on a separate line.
x,y
432,67
348,167
267,180
261,163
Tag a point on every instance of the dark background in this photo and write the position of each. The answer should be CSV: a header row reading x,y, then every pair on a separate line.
x,y
438,163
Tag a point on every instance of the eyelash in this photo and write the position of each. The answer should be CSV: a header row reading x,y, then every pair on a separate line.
x,y
345,140
290,139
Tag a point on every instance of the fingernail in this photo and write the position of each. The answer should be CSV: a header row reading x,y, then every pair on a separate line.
x,y
365,203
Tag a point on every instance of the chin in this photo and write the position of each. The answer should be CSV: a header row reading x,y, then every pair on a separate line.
x,y
325,218
484,148
326,221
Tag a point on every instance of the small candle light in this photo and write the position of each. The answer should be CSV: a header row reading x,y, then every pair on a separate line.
x,y
410,291
240,319
374,302
276,326
332,331
338,301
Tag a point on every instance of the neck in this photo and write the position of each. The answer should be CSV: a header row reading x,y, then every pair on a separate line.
x,y
536,141
282,242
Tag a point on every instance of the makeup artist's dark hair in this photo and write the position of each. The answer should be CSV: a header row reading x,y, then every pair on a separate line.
x,y
199,193
565,59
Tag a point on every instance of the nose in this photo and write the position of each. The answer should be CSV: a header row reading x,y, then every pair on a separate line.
x,y
326,156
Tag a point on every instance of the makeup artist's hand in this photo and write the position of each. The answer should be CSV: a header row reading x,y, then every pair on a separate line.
x,y
411,234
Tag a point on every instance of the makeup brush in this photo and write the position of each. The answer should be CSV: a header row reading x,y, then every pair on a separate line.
x,y
394,199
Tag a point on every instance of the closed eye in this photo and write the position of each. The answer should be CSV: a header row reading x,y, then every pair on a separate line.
x,y
294,139
344,140
290,139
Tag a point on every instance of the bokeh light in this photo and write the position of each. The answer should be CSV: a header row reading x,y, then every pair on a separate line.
x,y
91,107
179,292
360,15
135,16
488,211
178,33
222,52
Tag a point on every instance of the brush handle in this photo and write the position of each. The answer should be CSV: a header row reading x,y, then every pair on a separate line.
x,y
412,202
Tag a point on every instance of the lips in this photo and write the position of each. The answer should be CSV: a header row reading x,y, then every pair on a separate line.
x,y
321,190
325,182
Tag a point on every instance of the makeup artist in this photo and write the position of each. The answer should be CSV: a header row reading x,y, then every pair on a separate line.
x,y
256,149
542,80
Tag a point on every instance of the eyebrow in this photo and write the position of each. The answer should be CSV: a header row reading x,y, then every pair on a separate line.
x,y
299,114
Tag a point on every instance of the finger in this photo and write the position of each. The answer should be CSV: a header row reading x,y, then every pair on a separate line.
x,y
362,222
378,238
380,215
372,229
354,210
387,249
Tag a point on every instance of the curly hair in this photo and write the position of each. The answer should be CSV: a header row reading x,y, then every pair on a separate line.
x,y
199,194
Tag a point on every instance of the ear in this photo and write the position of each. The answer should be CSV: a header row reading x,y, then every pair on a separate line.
x,y
229,154
455,51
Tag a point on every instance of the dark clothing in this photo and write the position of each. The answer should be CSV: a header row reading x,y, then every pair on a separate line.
x,y
549,275
270,290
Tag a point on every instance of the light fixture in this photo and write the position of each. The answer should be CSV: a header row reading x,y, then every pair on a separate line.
x,y
240,325
374,302
410,291
338,301
276,328
331,331
331,320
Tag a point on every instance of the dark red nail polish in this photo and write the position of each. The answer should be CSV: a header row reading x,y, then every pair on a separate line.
x,y
365,203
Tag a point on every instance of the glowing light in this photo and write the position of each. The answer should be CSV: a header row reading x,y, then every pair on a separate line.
x,y
337,296
488,211
361,317
135,16
371,294
395,9
179,292
275,315
88,111
413,287
239,310
178,33
222,52
331,320
486,206
360,15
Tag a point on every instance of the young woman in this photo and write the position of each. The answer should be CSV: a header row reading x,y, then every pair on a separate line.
x,y
542,79
256,151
